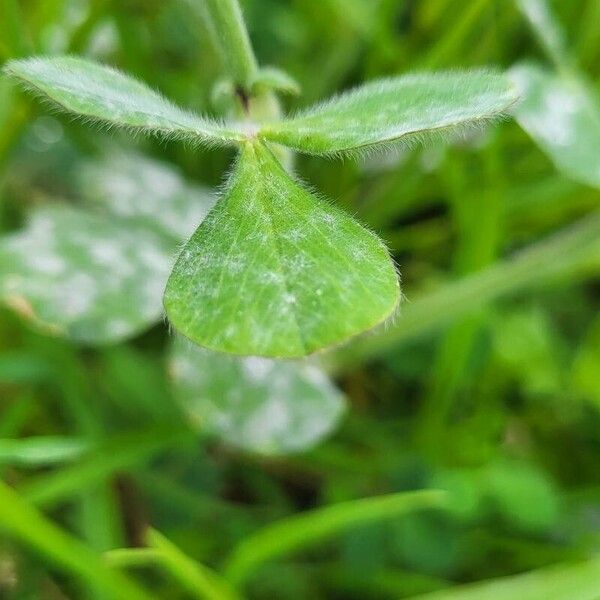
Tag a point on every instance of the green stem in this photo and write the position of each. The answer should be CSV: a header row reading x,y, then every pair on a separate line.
x,y
226,22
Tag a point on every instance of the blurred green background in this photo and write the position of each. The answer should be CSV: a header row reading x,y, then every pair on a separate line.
x,y
487,383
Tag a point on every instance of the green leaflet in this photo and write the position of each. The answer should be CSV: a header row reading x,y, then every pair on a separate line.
x,y
254,403
405,108
98,92
276,271
563,117
84,276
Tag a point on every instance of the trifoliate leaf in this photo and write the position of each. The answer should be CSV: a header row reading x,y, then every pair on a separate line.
x,y
84,276
103,93
258,404
135,188
563,117
276,271
406,108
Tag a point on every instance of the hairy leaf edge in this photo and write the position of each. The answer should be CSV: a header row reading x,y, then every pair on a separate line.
x,y
409,139
197,138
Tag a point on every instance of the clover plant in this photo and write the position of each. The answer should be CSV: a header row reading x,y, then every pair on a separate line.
x,y
274,270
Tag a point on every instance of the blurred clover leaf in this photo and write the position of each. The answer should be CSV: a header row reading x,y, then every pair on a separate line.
x,y
562,115
98,275
275,407
274,270
85,276
559,109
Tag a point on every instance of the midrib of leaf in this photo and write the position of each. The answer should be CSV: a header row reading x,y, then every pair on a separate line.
x,y
248,167
233,244
385,142
277,246
260,183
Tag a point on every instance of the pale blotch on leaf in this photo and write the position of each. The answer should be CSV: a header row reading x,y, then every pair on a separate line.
x,y
98,275
84,276
136,188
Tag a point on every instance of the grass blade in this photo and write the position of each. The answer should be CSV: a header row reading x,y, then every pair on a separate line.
x,y
41,451
198,580
575,582
296,532
121,453
29,526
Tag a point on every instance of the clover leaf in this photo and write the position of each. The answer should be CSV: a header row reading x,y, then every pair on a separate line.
x,y
257,404
275,270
